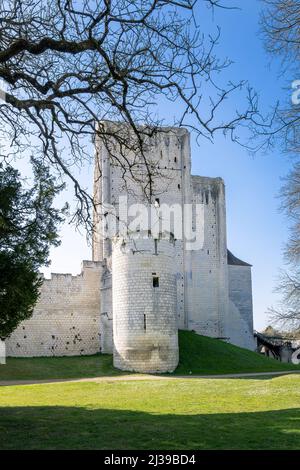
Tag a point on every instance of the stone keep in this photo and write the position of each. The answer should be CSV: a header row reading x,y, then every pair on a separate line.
x,y
113,306
145,330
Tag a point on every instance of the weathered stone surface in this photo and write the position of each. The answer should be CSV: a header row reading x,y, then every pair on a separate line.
x,y
113,306
66,320
145,327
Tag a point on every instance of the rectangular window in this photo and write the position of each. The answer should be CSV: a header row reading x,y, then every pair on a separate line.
x,y
155,281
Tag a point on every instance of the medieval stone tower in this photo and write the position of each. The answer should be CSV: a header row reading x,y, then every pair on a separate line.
x,y
142,285
145,330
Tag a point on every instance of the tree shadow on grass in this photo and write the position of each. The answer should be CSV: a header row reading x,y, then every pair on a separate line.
x,y
84,428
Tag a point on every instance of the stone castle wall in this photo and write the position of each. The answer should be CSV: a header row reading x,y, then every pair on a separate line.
x,y
144,305
171,152
66,319
202,275
106,311
207,281
240,320
109,305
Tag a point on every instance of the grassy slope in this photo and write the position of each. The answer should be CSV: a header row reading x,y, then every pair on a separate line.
x,y
204,355
166,414
198,354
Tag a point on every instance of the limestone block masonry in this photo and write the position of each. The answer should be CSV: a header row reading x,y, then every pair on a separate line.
x,y
240,326
145,328
141,287
66,320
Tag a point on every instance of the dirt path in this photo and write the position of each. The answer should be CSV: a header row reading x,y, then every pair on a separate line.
x,y
145,377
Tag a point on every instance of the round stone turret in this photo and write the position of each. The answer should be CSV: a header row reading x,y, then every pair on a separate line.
x,y
145,330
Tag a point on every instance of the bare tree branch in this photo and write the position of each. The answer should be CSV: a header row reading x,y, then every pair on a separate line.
x,y
281,30
69,64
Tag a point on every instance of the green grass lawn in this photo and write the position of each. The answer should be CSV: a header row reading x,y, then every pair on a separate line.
x,y
199,355
39,368
175,413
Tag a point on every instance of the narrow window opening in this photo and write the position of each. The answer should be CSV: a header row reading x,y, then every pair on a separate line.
x,y
155,246
155,281
175,159
145,323
179,186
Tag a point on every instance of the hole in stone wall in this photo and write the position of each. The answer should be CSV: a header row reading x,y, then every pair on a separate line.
x,y
155,281
145,323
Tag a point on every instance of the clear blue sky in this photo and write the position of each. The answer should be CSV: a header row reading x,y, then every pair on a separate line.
x,y
257,230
